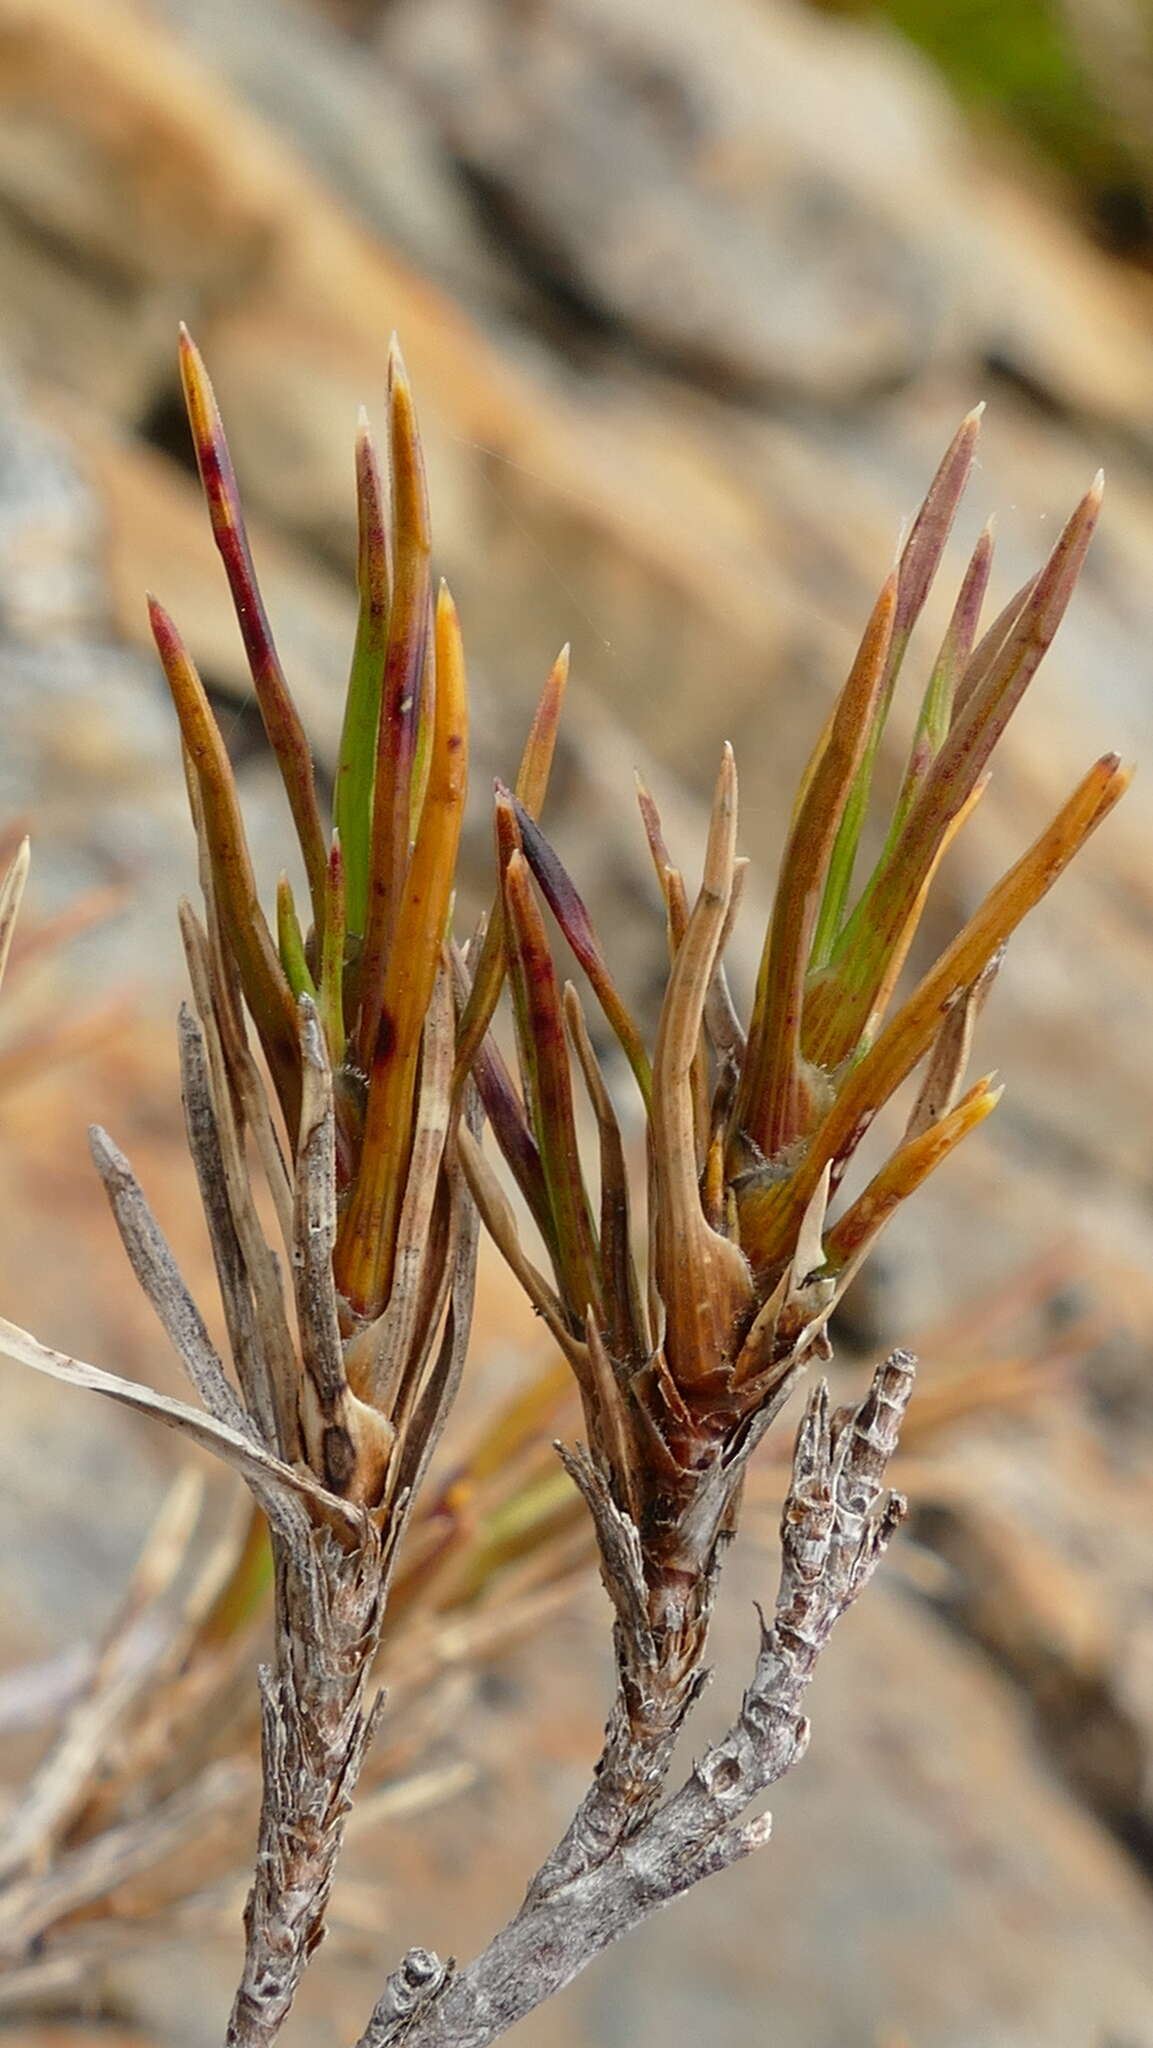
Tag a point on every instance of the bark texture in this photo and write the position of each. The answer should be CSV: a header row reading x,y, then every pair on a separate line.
x,y
837,1520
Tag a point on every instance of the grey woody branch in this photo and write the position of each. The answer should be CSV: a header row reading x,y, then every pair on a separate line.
x,y
335,1478
837,1520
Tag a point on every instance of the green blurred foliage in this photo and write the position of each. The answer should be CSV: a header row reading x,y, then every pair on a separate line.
x,y
1022,63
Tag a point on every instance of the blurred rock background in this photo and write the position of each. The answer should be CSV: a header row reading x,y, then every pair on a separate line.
x,y
692,298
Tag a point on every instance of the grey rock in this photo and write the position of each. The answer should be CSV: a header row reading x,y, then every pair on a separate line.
x,y
355,124
731,187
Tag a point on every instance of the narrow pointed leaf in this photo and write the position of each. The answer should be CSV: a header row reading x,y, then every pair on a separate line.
x,y
290,942
722,1024
718,1007
266,989
834,1027
332,955
265,1358
925,546
886,905
701,1279
624,1316
936,712
769,1215
945,1068
496,1214
919,1156
366,1242
548,1091
531,789
773,1104
423,737
669,877
570,913
400,707
919,561
980,663
356,766
610,1421
286,735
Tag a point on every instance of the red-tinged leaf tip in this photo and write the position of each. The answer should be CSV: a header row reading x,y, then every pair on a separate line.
x,y
163,628
282,721
572,916
544,1061
1113,766
929,532
262,977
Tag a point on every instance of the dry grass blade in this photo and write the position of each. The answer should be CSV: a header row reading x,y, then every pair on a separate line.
x,y
271,1359
208,1159
162,1282
430,1411
272,1481
96,1868
381,1356
349,1445
11,892
123,1667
